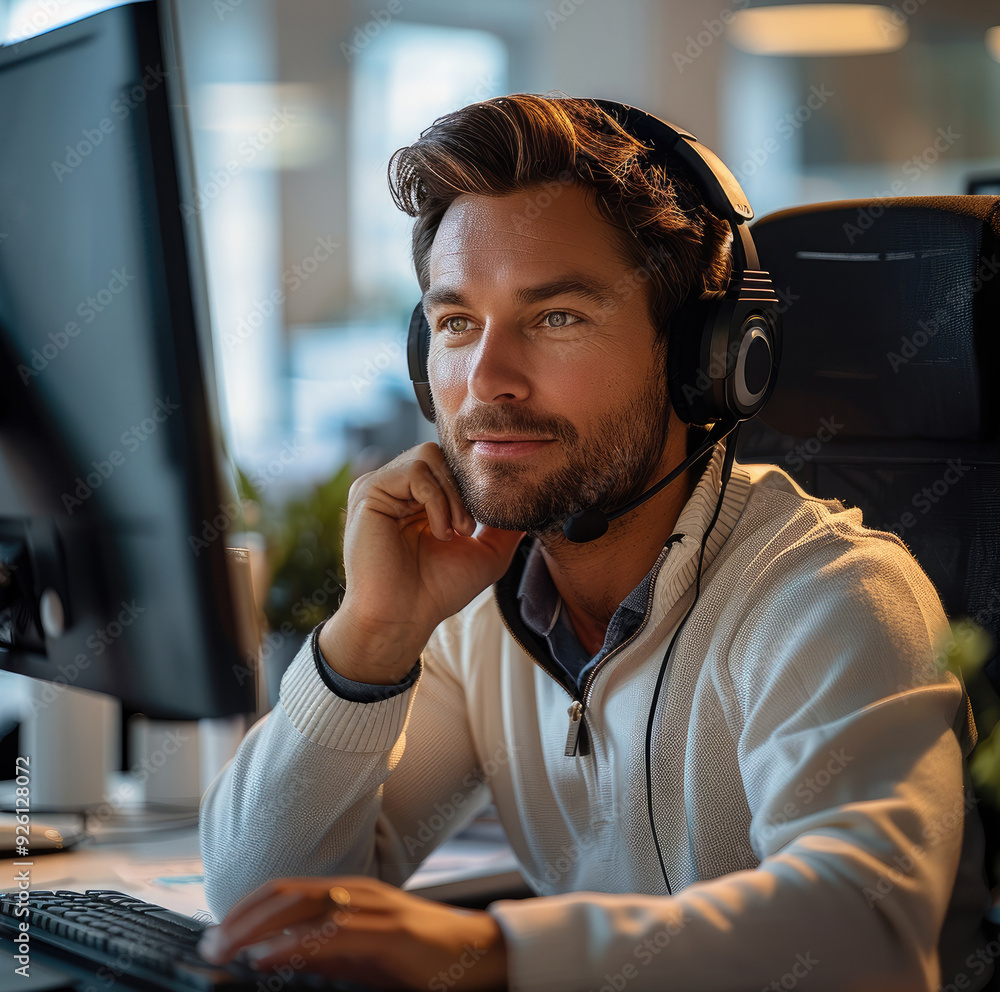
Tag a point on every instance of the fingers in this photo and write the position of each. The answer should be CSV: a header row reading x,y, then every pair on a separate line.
x,y
313,936
462,520
420,479
428,491
267,910
431,459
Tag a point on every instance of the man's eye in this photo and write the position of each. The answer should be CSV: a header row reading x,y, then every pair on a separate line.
x,y
457,325
559,318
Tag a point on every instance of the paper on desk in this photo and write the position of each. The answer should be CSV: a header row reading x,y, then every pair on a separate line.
x,y
462,859
182,878
167,872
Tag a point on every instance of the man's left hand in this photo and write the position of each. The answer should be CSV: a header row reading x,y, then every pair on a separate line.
x,y
361,929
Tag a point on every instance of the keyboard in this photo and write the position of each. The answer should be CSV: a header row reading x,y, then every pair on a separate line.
x,y
116,938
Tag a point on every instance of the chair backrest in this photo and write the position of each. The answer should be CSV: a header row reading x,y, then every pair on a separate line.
x,y
888,397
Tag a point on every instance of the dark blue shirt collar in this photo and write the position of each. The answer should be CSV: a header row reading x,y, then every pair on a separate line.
x,y
542,612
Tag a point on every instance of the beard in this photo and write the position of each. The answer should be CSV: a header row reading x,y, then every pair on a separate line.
x,y
607,468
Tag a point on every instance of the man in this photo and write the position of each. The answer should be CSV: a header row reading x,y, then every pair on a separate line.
x,y
806,765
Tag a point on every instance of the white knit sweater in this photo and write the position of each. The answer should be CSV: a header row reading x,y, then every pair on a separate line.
x,y
807,772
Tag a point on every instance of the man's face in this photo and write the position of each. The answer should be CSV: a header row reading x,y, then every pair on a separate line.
x,y
549,387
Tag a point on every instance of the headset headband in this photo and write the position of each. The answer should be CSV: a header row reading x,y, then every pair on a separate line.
x,y
723,194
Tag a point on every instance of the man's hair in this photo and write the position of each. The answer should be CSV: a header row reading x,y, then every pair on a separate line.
x,y
525,142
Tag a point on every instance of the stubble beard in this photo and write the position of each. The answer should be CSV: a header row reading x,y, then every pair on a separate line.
x,y
607,469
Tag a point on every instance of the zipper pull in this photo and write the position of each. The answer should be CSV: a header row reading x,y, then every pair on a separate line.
x,y
575,723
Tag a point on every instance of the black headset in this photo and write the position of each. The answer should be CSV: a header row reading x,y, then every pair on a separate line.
x,y
722,354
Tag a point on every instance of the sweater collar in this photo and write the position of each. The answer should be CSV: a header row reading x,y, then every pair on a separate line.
x,y
680,569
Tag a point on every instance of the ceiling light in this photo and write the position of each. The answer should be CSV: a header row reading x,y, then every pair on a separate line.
x,y
819,29
993,42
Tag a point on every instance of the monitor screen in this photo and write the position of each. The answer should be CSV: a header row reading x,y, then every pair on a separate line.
x,y
115,506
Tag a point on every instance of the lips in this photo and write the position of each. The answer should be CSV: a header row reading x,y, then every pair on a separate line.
x,y
501,446
508,438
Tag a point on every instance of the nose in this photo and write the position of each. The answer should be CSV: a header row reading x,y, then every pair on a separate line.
x,y
499,369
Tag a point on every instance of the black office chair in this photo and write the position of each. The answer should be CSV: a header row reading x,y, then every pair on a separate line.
x,y
888,396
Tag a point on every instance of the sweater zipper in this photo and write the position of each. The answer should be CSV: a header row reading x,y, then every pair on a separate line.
x,y
577,738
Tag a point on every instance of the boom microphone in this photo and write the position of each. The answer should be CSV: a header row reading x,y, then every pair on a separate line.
x,y
590,524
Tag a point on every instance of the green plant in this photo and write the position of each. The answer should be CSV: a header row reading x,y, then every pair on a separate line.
x,y
304,541
964,653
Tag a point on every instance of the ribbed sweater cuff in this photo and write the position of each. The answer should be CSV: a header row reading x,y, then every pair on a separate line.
x,y
536,957
331,721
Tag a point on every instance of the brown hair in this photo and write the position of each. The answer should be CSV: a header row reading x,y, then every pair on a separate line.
x,y
521,142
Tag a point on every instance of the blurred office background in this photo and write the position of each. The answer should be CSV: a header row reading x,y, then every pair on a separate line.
x,y
297,105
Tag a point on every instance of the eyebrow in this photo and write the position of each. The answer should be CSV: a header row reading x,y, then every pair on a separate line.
x,y
597,292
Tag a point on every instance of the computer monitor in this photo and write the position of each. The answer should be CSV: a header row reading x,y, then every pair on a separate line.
x,y
114,501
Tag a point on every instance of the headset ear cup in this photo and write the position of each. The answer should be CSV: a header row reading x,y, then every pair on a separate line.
x,y
722,358
691,388
755,375
418,345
